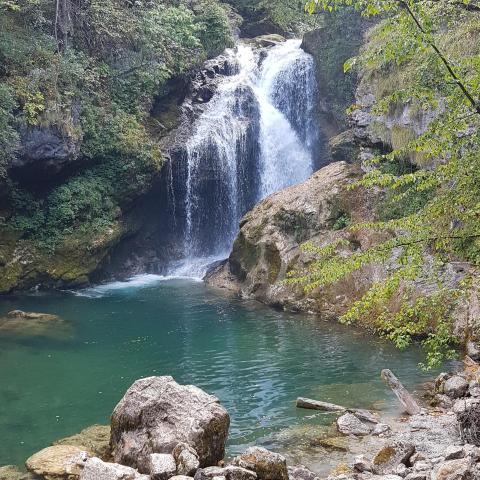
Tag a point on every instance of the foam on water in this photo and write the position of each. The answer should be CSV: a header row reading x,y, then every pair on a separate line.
x,y
130,284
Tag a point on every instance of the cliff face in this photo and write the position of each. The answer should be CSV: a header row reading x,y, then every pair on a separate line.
x,y
269,243
83,112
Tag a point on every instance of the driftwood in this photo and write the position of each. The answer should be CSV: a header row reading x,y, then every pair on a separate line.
x,y
365,415
408,402
318,405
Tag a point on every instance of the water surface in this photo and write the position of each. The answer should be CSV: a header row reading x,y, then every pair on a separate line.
x,y
256,360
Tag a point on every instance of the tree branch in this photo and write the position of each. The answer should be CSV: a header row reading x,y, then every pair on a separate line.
x,y
442,57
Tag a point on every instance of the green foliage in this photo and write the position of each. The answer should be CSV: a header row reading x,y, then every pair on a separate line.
x,y
213,28
430,215
342,221
8,135
94,75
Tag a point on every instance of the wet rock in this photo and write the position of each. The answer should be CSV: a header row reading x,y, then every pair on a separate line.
x,y
349,424
300,472
95,439
157,413
390,456
455,387
231,472
32,324
11,472
332,443
96,469
268,40
59,462
186,459
162,466
266,464
343,147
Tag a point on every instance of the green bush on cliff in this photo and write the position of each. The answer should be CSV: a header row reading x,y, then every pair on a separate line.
x,y
8,135
92,70
437,214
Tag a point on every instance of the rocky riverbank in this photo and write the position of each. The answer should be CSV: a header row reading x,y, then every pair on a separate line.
x,y
161,430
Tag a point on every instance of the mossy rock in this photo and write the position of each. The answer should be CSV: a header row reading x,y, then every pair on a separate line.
x,y
339,444
11,472
343,147
95,439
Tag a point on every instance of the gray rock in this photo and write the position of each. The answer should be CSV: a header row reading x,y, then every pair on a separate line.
x,y
454,452
473,350
440,381
157,413
390,456
361,464
443,401
45,151
266,464
417,457
96,469
474,389
471,451
186,459
381,429
455,387
401,470
464,404
230,472
181,477
365,415
454,470
349,424
161,466
300,472
418,476
422,466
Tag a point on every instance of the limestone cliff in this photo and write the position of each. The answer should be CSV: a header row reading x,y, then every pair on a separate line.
x,y
269,243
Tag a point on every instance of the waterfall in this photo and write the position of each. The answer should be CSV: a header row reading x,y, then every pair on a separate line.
x,y
254,137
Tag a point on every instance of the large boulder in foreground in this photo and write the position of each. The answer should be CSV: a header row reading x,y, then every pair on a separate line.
x,y
156,414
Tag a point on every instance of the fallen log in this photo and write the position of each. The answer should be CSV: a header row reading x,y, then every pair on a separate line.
x,y
318,405
406,399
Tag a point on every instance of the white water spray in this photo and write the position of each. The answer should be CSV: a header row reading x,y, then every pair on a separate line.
x,y
253,139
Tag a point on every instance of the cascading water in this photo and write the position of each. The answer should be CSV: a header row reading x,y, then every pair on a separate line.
x,y
253,138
